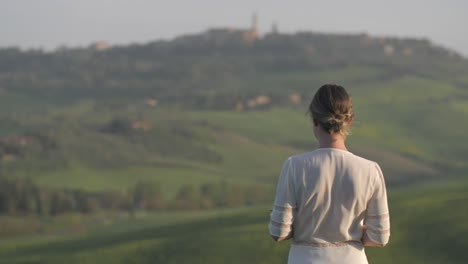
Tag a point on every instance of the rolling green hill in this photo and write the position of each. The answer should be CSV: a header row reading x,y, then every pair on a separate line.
x,y
199,109
240,147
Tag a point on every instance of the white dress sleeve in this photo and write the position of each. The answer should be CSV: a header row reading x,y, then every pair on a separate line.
x,y
377,215
282,214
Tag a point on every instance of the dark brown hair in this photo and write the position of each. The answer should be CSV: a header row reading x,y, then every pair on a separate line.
x,y
332,109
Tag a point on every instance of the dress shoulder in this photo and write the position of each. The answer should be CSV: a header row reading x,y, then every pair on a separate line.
x,y
317,155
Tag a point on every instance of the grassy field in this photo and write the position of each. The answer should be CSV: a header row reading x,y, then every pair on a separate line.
x,y
252,145
409,120
428,226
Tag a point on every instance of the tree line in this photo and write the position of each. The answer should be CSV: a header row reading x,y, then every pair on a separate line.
x,y
23,197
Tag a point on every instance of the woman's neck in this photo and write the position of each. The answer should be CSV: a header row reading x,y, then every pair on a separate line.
x,y
338,144
325,140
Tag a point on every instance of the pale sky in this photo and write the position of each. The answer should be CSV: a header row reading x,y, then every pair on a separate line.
x,y
51,23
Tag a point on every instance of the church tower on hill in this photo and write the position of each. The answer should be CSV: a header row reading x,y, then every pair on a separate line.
x,y
253,33
254,28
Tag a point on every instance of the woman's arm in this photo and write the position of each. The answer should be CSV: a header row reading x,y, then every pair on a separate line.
x,y
279,239
376,231
282,213
366,240
281,223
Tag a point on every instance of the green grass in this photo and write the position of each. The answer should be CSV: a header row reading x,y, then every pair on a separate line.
x,y
121,179
248,155
170,179
394,138
460,105
408,89
253,145
428,226
275,126
307,81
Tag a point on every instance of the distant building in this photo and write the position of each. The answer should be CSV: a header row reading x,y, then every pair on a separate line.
x,y
295,98
389,49
151,102
228,34
100,45
253,33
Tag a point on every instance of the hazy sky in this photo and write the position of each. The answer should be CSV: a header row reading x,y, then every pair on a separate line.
x,y
50,23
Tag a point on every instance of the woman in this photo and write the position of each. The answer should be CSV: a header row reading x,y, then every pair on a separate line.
x,y
331,202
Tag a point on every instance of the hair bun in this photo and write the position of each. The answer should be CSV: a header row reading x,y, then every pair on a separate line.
x,y
332,109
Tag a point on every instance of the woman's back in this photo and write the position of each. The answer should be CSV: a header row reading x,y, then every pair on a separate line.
x,y
323,198
332,189
331,202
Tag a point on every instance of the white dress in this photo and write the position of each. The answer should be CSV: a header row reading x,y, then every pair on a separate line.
x,y
323,199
